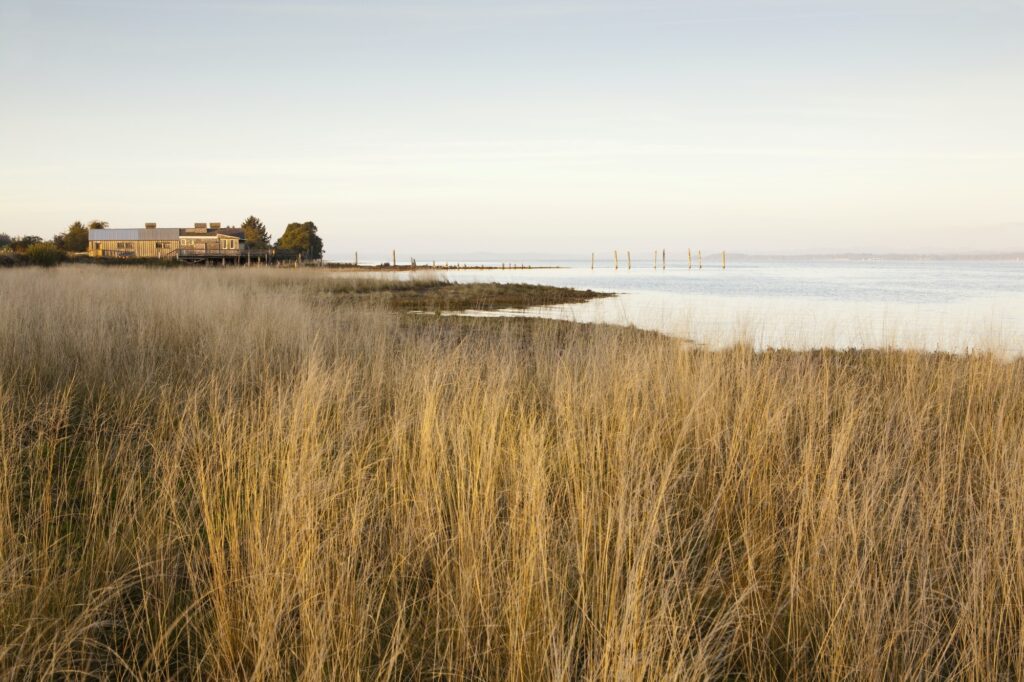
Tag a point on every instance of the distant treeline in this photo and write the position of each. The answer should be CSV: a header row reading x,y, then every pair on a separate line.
x,y
299,239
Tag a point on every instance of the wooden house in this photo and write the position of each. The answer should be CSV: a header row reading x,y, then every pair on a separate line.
x,y
200,242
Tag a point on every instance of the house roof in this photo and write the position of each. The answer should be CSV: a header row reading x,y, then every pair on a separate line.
x,y
160,234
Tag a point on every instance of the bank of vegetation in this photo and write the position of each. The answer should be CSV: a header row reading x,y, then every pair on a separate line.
x,y
221,473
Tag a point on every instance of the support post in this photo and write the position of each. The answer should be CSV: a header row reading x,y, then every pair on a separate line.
x,y
629,261
616,260
689,259
394,260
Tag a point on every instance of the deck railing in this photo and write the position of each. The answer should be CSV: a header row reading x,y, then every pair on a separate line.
x,y
210,253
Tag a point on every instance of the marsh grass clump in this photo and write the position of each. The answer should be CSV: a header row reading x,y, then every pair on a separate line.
x,y
222,474
422,291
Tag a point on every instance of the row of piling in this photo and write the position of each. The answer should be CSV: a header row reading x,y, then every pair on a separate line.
x,y
593,261
664,261
448,265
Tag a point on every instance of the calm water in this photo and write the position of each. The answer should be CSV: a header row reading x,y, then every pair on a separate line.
x,y
935,305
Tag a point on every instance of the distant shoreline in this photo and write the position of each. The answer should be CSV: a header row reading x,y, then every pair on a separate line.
x,y
543,261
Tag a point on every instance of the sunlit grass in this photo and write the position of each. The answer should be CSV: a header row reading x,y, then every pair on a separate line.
x,y
223,473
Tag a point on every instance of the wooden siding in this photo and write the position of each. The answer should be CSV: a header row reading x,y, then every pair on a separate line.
x,y
133,248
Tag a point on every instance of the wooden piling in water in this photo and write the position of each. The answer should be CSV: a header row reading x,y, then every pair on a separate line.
x,y
394,260
629,261
723,260
591,260
655,259
616,253
663,259
689,259
700,260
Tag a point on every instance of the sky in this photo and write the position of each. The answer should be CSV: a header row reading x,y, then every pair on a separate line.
x,y
441,128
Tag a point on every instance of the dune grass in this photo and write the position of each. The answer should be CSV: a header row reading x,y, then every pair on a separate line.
x,y
224,474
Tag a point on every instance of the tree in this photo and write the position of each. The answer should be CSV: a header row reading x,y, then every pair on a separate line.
x,y
256,235
76,238
98,225
302,237
5,240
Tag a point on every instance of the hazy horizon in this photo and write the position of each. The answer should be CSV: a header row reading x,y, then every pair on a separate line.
x,y
562,127
642,259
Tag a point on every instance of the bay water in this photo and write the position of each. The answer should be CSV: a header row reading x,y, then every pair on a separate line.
x,y
948,305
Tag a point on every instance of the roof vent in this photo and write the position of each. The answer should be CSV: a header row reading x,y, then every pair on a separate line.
x,y
150,226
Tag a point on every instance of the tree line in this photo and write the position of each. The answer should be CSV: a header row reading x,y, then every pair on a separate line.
x,y
73,239
298,238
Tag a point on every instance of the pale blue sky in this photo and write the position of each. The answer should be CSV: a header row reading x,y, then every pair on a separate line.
x,y
562,126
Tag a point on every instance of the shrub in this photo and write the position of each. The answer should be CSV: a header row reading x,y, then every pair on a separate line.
x,y
44,254
10,258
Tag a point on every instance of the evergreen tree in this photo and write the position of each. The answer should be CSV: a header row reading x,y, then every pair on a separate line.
x,y
256,235
302,237
76,238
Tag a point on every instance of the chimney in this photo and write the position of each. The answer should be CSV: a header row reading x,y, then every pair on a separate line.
x,y
201,226
214,226
150,226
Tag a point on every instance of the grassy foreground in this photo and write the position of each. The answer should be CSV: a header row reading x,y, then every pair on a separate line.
x,y
224,474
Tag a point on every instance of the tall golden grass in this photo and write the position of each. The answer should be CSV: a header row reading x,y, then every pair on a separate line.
x,y
222,474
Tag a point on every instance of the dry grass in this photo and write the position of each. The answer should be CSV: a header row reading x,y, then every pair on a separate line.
x,y
206,476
